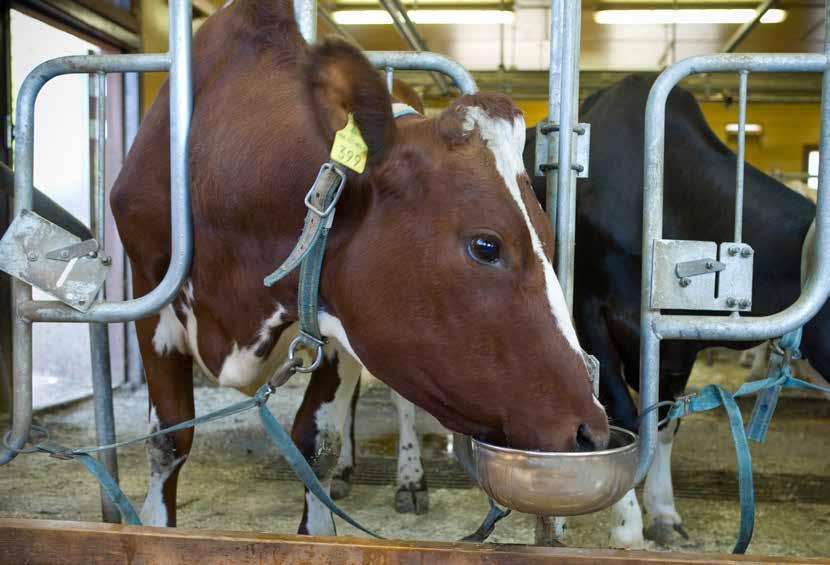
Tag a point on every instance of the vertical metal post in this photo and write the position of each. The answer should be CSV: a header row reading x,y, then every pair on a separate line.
x,y
739,174
99,332
563,89
132,113
181,108
305,12
554,84
178,62
390,79
566,181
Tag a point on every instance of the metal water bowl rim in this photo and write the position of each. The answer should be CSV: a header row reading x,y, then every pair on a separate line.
x,y
632,441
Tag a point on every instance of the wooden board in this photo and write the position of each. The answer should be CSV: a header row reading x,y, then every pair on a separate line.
x,y
55,542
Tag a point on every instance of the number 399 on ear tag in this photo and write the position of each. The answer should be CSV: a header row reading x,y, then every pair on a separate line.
x,y
348,148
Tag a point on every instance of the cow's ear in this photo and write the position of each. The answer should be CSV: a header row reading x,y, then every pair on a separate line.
x,y
339,80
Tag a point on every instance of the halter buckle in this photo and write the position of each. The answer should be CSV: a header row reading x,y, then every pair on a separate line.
x,y
338,189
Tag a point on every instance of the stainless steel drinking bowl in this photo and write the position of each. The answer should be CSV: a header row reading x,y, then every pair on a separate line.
x,y
558,484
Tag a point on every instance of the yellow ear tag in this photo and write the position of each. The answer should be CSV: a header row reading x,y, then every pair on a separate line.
x,y
348,148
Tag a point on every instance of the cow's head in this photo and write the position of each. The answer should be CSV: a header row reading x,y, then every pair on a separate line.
x,y
439,266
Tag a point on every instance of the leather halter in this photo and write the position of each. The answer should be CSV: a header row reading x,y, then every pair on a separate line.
x,y
309,251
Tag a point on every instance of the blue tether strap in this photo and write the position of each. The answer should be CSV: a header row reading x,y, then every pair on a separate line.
x,y
108,484
768,389
301,468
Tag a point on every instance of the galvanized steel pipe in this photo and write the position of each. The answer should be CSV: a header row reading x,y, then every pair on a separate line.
x,y
178,61
566,179
739,173
654,326
425,61
181,102
305,13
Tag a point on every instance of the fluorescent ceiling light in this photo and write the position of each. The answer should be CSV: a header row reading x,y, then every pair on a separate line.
x,y
460,17
750,129
686,16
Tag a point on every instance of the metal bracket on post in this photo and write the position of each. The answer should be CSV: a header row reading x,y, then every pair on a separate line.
x,y
50,258
735,282
547,143
687,274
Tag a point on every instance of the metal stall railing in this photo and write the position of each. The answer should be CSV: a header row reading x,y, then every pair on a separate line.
x,y
563,158
178,62
662,287
26,311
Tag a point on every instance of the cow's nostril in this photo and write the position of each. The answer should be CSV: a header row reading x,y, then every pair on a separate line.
x,y
585,439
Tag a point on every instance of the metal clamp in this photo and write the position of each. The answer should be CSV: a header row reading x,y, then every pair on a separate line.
x,y
547,145
338,190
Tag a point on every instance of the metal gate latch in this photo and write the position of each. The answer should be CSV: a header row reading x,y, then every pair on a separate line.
x,y
88,247
678,281
50,258
696,268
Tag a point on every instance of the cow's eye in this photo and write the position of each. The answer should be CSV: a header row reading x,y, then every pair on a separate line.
x,y
485,249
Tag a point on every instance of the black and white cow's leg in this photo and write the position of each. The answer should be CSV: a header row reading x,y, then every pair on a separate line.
x,y
341,483
627,520
627,523
662,519
318,428
170,384
412,495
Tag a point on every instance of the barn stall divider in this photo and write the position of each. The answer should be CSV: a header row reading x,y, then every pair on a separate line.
x,y
562,158
706,276
86,304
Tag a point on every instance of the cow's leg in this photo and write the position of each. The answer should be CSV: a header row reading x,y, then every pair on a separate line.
x,y
627,523
170,386
317,432
662,518
341,483
412,495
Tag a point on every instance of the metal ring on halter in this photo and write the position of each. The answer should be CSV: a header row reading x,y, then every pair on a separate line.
x,y
309,342
685,399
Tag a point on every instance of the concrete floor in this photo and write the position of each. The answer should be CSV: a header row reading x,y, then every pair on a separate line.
x,y
234,479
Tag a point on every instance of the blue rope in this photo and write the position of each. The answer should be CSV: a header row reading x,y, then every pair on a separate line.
x,y
710,397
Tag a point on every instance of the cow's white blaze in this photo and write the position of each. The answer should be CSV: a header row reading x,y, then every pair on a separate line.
x,y
627,523
507,140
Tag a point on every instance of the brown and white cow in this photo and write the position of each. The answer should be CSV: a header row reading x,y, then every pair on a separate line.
x,y
437,276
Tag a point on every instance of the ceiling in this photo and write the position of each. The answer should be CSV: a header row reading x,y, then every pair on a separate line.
x,y
515,57
524,44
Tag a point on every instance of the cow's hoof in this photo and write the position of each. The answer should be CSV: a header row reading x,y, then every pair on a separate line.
x,y
412,500
626,540
628,535
340,487
666,533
